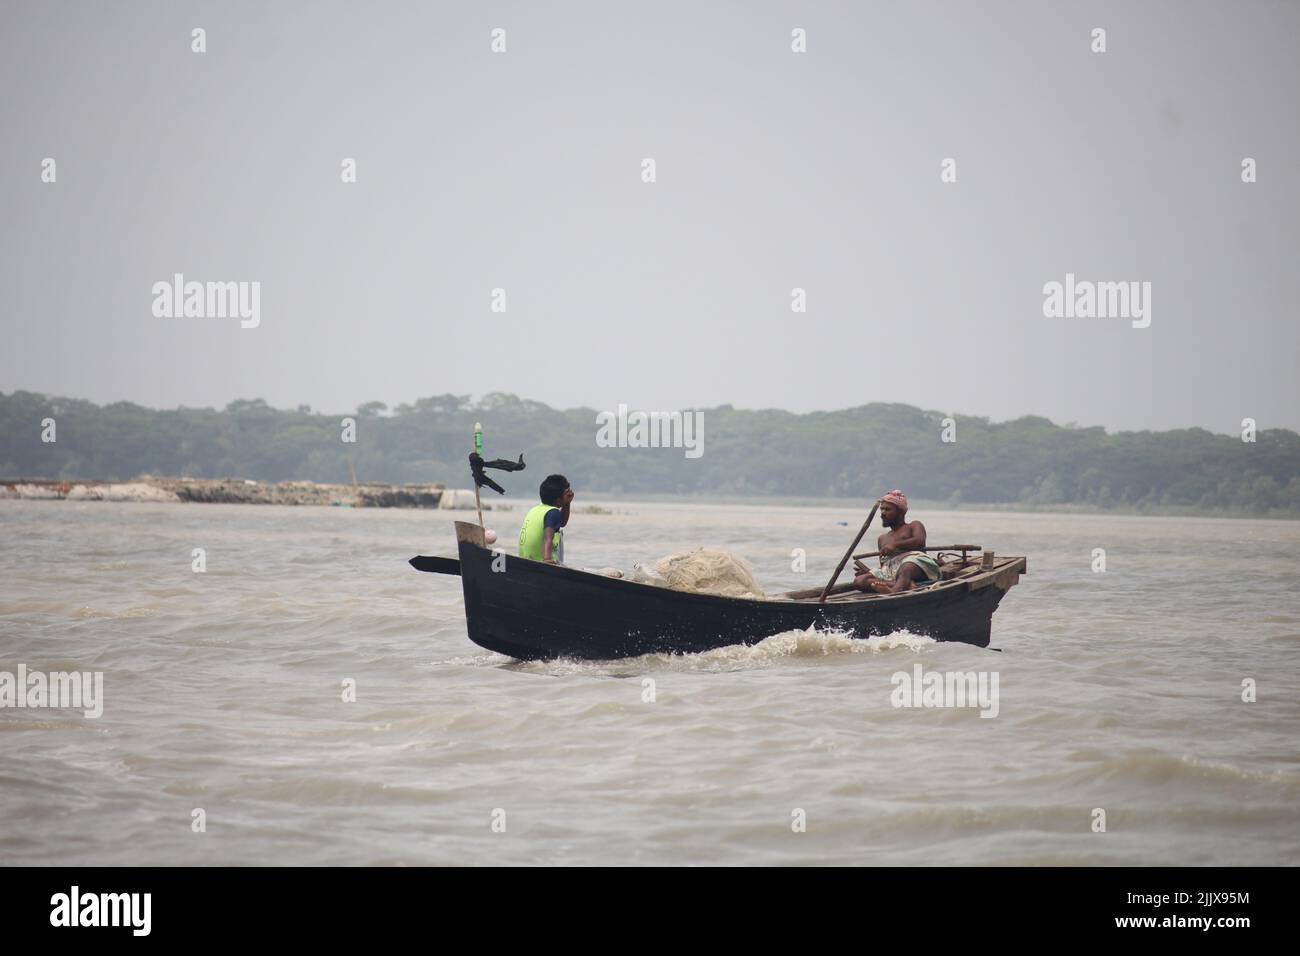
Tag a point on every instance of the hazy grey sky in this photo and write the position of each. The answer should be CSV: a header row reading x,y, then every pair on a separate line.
x,y
775,170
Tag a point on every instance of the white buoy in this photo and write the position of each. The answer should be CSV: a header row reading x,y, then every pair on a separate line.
x,y
490,536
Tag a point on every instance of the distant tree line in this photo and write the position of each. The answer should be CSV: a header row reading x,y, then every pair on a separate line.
x,y
855,452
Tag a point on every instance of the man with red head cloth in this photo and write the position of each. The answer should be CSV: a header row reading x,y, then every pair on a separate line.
x,y
902,565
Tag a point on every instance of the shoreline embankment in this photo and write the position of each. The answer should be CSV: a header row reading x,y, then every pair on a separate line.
x,y
151,488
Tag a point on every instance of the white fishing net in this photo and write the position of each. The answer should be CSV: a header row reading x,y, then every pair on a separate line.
x,y
709,571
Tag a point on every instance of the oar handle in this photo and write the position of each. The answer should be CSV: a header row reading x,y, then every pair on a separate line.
x,y
942,547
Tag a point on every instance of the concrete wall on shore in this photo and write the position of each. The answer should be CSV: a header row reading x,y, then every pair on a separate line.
x,y
458,499
228,491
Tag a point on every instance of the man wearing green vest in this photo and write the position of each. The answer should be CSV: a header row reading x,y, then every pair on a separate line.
x,y
540,537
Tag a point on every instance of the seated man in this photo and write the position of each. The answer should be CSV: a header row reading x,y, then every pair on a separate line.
x,y
902,566
540,537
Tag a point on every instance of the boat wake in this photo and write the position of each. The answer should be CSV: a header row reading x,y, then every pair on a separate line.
x,y
798,645
816,643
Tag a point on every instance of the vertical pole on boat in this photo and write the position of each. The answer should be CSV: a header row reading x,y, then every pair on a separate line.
x,y
849,553
478,450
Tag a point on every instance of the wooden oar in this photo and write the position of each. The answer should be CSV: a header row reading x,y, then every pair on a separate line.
x,y
848,554
963,548
435,564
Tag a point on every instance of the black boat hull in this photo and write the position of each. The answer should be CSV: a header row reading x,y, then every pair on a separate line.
x,y
531,611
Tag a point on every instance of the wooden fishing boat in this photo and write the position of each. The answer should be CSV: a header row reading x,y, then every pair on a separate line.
x,y
531,610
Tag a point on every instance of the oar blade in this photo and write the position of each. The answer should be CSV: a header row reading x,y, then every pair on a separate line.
x,y
435,564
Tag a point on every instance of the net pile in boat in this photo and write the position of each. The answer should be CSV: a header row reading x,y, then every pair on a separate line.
x,y
709,571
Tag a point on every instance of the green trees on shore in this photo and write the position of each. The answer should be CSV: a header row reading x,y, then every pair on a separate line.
x,y
854,452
